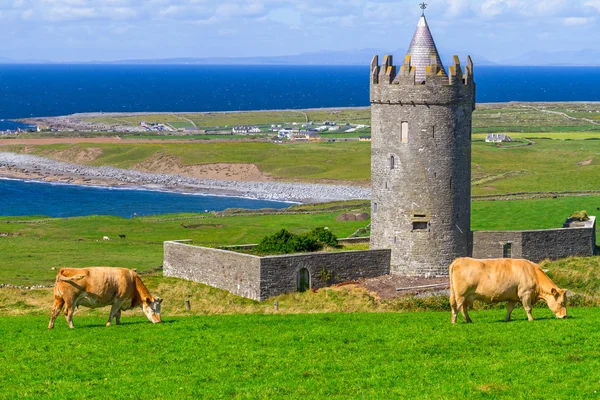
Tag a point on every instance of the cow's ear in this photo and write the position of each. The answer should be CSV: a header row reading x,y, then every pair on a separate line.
x,y
158,299
554,292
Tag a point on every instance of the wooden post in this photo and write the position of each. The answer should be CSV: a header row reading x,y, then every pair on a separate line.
x,y
276,305
188,305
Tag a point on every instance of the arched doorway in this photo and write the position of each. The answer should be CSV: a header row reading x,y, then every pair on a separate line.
x,y
303,280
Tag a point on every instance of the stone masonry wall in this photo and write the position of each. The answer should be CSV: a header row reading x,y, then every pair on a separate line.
x,y
536,245
258,278
235,272
279,273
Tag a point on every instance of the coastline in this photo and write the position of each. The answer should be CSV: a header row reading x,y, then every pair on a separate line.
x,y
34,168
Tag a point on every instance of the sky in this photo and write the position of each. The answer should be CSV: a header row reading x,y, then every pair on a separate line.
x,y
104,30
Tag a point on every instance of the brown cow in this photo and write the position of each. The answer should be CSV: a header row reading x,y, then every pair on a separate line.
x,y
98,287
502,279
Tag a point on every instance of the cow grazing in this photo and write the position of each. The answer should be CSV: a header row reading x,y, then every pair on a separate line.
x,y
101,286
105,238
502,279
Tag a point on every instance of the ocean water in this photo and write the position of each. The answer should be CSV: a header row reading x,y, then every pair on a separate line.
x,y
20,198
50,90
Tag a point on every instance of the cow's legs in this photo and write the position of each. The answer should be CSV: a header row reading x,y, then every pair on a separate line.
x,y
56,309
453,306
114,310
510,306
454,311
463,304
69,310
118,317
527,305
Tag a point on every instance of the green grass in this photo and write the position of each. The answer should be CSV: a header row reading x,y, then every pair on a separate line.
x,y
297,161
389,355
36,244
529,214
34,248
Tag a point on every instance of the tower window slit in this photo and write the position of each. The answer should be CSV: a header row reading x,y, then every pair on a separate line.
x,y
404,132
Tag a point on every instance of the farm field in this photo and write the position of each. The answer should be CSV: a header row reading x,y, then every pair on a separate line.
x,y
339,355
488,117
32,245
222,119
547,166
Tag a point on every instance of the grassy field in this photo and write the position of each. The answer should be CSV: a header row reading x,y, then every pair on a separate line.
x,y
374,355
292,161
488,117
31,246
547,166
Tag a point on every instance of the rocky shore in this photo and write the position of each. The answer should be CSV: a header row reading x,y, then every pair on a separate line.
x,y
23,166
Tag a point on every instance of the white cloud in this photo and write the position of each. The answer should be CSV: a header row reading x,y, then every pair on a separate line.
x,y
578,21
593,3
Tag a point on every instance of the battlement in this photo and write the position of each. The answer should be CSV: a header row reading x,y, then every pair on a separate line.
x,y
387,73
393,85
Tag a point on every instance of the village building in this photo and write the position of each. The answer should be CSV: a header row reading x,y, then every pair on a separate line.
x,y
245,129
497,138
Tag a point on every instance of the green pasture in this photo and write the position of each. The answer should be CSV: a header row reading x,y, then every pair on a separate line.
x,y
547,166
357,355
288,161
545,213
487,118
31,246
222,119
34,245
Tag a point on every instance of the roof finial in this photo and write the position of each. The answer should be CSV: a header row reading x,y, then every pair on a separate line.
x,y
423,7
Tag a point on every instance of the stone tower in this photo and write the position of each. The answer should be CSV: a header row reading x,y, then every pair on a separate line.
x,y
421,158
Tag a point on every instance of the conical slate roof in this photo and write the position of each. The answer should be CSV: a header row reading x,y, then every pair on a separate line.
x,y
422,47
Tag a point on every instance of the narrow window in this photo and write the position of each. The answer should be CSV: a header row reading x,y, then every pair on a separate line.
x,y
419,226
433,132
507,250
404,132
374,208
386,186
392,162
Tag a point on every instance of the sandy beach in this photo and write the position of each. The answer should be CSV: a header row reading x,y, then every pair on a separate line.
x,y
29,167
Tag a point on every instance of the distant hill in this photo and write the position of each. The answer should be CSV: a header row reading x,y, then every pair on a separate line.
x,y
355,57
351,57
540,58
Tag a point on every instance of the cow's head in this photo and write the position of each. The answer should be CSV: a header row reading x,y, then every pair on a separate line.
x,y
151,307
558,302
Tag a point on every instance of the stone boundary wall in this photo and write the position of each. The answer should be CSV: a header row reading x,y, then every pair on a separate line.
x,y
235,272
279,273
536,245
259,278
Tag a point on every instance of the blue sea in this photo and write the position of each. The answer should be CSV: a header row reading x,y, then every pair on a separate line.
x,y
63,200
50,90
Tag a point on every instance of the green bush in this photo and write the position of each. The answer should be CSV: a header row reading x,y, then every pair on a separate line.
x,y
285,242
324,236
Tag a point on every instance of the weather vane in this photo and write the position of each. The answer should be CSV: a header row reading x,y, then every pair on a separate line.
x,y
423,7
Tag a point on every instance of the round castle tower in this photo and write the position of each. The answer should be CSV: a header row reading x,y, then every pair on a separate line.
x,y
421,158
